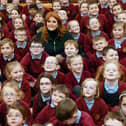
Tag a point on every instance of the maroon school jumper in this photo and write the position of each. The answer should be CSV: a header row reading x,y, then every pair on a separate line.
x,y
33,66
98,111
3,112
71,81
85,120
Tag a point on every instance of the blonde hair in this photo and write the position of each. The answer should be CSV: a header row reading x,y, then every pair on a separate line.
x,y
69,24
10,66
97,86
14,85
5,41
98,38
71,58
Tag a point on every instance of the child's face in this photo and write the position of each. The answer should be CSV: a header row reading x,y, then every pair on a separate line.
x,y
52,24
123,105
29,2
14,117
36,49
15,1
74,27
7,50
50,64
9,8
64,1
17,73
62,14
111,3
18,23
9,95
14,14
112,55
118,32
32,11
111,72
93,9
94,24
84,8
99,45
76,65
122,17
116,10
57,97
3,2
39,4
45,85
70,50
89,89
103,2
38,18
56,6
21,36
113,122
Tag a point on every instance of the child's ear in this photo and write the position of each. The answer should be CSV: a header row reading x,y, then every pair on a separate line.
x,y
104,58
77,50
88,27
69,66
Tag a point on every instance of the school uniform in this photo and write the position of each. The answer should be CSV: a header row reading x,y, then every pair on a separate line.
x,y
71,81
46,114
21,50
123,4
111,94
119,45
32,64
104,9
97,108
39,102
3,112
94,62
79,16
83,119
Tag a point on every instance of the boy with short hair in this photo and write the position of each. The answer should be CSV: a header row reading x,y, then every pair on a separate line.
x,y
47,114
96,59
35,58
68,114
21,45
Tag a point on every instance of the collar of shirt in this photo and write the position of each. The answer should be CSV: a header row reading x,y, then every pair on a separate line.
x,y
118,43
64,21
55,74
66,5
123,1
78,77
77,37
115,19
83,15
104,6
89,103
2,7
52,105
90,16
10,58
111,89
98,55
78,117
45,99
21,46
95,34
19,84
36,57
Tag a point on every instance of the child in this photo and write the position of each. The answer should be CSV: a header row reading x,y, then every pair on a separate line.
x,y
76,75
21,45
96,59
43,97
90,101
56,5
34,59
15,71
47,114
111,86
16,115
11,95
70,49
67,113
119,39
83,41
114,119
121,17
51,66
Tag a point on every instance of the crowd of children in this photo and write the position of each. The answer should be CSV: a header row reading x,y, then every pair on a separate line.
x,y
64,64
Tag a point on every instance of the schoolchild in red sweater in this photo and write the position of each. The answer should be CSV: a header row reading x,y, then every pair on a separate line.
x,y
109,75
21,46
82,40
11,94
121,17
68,114
91,102
51,66
15,71
119,39
76,75
43,96
56,5
34,59
47,114
96,59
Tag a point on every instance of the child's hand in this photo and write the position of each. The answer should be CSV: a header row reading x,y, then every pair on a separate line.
x,y
23,17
